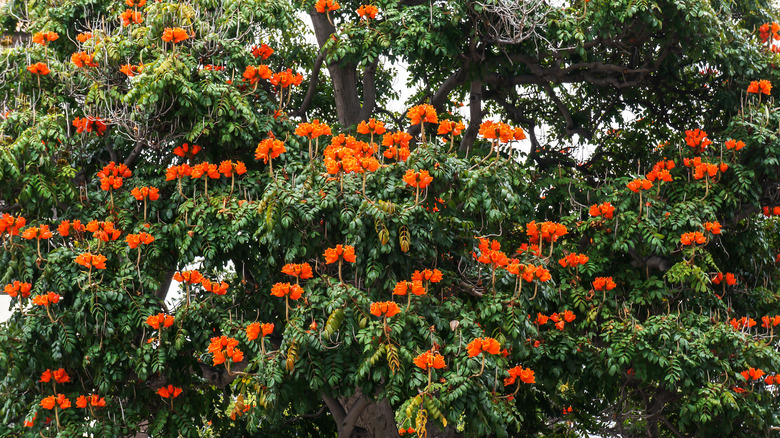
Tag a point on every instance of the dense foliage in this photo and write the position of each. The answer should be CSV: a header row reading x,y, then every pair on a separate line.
x,y
618,278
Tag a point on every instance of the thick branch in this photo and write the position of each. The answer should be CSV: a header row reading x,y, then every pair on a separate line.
x,y
369,90
475,113
315,76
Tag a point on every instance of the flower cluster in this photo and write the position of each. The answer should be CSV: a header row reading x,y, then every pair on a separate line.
x,y
694,237
752,374
340,252
286,78
93,400
742,323
44,38
160,320
46,299
223,348
529,271
547,231
769,29
41,232
228,168
603,284
142,193
189,277
409,287
313,130
264,51
428,359
133,240
169,391
104,231
38,68
89,260
51,402
488,345
573,260
760,87
397,145
90,124
697,139
186,151
526,375
323,6
174,35
731,280
372,126
558,320
112,175
18,288
770,321
300,270
176,172
434,276
11,224
367,11
346,154
606,209
131,70
293,291
205,170
734,144
661,171
424,113
385,308
256,329
713,227
419,179
500,131
130,16
83,59
639,184
215,287
269,149
252,74
702,169
65,226
59,376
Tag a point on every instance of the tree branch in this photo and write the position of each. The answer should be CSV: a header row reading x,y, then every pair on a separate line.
x,y
369,90
475,112
315,76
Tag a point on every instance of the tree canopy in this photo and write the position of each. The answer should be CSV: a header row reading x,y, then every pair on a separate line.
x,y
592,249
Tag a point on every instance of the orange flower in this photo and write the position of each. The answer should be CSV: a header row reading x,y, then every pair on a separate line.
x,y
135,3
84,37
187,151
488,345
404,287
81,402
18,288
312,130
141,193
44,38
38,68
169,391
253,74
82,59
294,291
500,131
428,360
573,260
639,184
104,231
744,322
228,167
371,127
286,78
262,52
205,170
734,144
434,276
160,320
346,252
450,127
693,237
419,179
697,139
11,224
300,270
323,6
131,17
256,329
604,283
50,402
424,113
386,308
89,260
131,70
223,348
112,175
367,11
548,231
765,86
133,240
541,319
569,316
400,139
712,227
214,287
269,149
526,375
38,233
45,300
752,374
180,171
191,277
175,35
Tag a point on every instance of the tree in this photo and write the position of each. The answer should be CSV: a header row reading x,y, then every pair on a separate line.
x,y
619,278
